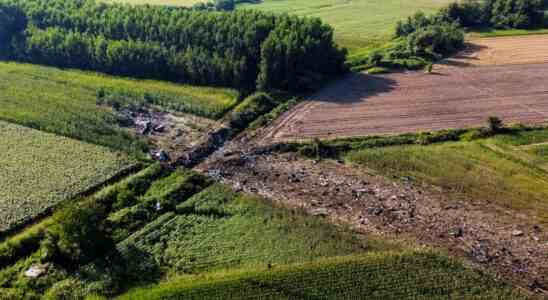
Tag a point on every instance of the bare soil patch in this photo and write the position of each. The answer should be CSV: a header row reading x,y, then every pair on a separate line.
x,y
451,97
504,51
170,133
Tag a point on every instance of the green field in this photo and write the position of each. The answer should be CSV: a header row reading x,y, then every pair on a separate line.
x,y
219,229
40,170
64,102
506,32
378,275
189,241
357,23
511,170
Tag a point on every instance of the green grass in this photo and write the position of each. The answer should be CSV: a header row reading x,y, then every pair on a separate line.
x,y
39,170
64,102
219,229
510,170
408,274
357,23
487,33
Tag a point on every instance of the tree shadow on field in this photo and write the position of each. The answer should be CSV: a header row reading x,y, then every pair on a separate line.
x,y
465,57
355,88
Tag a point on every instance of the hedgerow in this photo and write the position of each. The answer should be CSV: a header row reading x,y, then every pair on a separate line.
x,y
28,241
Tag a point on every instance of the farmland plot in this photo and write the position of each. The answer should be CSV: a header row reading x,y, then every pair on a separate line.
x,y
39,170
451,97
504,50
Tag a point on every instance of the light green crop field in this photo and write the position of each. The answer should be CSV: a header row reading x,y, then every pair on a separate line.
x,y
377,275
357,22
65,101
218,229
223,245
511,170
39,170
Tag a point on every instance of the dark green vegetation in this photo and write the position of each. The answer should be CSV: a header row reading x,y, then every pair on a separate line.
x,y
12,21
509,169
25,243
418,41
66,102
71,167
499,14
245,49
250,109
423,39
203,241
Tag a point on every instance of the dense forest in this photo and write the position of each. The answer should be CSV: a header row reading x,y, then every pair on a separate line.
x,y
247,50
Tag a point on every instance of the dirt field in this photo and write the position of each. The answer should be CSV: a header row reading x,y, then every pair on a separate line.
x,y
452,97
505,50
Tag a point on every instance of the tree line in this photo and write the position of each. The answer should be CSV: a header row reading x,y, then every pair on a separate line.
x,y
500,14
245,49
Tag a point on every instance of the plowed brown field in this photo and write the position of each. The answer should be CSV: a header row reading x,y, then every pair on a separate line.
x,y
452,97
505,50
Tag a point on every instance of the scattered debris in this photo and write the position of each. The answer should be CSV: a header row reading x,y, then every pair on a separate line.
x,y
375,204
161,155
456,232
321,212
517,233
36,271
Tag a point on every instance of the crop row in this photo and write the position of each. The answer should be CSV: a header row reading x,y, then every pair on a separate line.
x,y
40,170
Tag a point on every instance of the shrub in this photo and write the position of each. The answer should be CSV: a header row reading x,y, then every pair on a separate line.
x,y
79,234
494,124
377,70
226,5
413,23
436,41
515,13
12,22
250,109
468,13
126,192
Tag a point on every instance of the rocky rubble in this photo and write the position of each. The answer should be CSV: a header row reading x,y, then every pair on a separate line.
x,y
404,209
